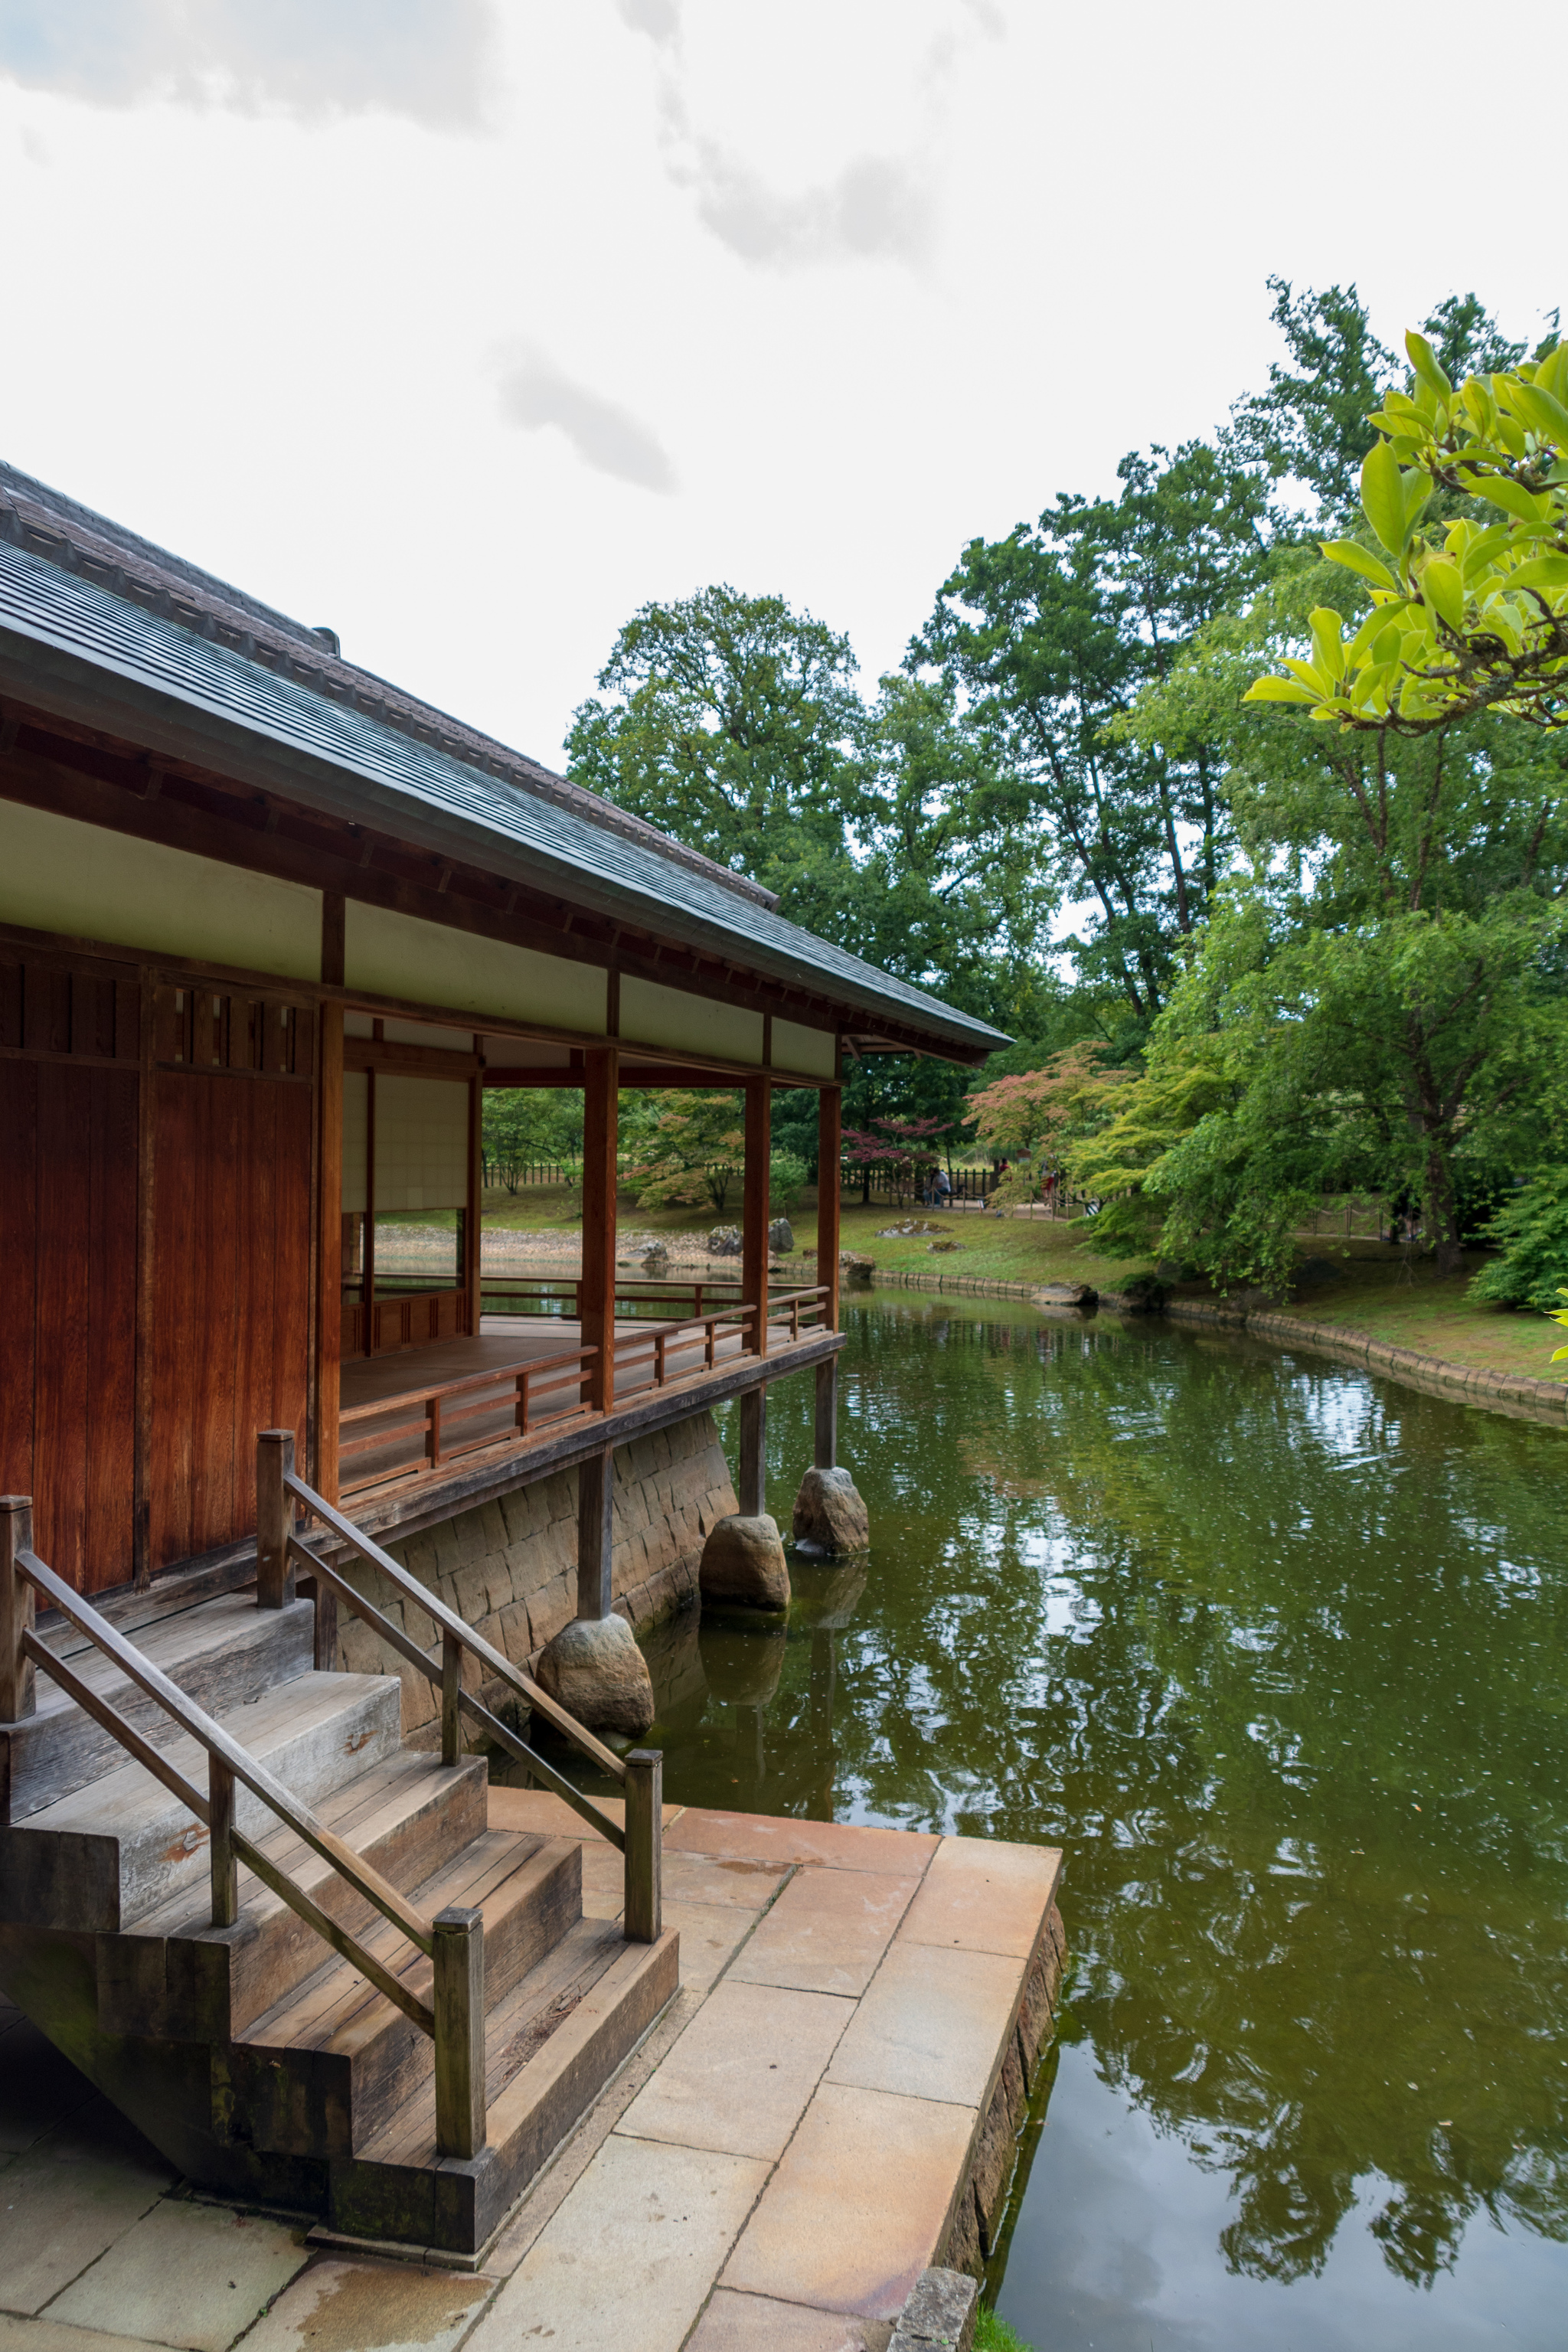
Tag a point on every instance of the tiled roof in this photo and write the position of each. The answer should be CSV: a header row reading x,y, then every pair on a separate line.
x,y
72,580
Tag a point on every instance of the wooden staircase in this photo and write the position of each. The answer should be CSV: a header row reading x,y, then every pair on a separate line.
x,y
292,2051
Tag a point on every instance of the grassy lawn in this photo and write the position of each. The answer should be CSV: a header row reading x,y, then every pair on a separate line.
x,y
1410,1308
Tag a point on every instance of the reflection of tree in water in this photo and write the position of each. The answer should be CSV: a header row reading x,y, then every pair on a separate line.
x,y
1248,1637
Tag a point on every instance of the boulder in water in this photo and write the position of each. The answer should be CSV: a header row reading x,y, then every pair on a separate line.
x,y
743,1564
594,1669
830,1518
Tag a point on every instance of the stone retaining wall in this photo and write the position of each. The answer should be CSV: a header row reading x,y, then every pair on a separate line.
x,y
983,2201
1508,1392
509,1568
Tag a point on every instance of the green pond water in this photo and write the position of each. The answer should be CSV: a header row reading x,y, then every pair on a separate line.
x,y
1278,1651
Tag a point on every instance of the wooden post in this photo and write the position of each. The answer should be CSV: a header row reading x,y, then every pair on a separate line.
x,y
601,1076
458,1954
825,1455
329,1247
829,1151
473,1210
19,1695
754,1211
451,1698
753,1481
220,1848
596,1533
644,1916
324,1657
274,1518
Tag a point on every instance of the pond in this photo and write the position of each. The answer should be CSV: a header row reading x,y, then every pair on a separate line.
x,y
1278,1652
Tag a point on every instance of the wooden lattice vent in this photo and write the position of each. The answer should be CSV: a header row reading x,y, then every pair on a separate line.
x,y
79,1011
199,1028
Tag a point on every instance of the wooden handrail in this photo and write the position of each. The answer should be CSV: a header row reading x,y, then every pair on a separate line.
x,y
235,1761
639,1842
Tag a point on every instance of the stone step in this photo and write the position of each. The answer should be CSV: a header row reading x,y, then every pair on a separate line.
x,y
320,2073
95,1861
176,1975
551,2047
223,1653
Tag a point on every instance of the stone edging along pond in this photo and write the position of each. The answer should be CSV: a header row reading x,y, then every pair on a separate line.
x,y
1507,1392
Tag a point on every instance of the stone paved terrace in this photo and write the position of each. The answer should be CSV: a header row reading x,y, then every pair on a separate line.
x,y
829,2105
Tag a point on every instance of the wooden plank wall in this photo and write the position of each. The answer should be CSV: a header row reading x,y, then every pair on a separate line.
x,y
67,1246
231,1330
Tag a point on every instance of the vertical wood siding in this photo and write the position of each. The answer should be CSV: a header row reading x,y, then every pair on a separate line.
x,y
231,1328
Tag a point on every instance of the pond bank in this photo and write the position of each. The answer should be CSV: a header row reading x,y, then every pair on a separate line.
x,y
1509,1393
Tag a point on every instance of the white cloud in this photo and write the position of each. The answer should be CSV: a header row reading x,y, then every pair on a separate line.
x,y
424,58
878,208
536,393
660,19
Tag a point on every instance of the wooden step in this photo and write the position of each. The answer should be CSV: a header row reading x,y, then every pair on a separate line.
x,y
551,2045
223,1653
177,1975
320,2072
95,1861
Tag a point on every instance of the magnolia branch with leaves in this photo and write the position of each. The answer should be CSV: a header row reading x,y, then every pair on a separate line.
x,y
1479,620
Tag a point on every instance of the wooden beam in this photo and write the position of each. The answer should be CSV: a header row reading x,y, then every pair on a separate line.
x,y
601,1074
752,1486
829,1153
335,934
329,1246
409,1061
146,1291
472,1207
18,1696
754,1211
596,1533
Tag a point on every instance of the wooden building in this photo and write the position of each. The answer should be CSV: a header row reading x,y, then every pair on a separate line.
x,y
267,925
267,928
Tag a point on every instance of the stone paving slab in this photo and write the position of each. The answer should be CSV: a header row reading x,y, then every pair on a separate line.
x,y
740,2075
194,2275
755,2323
859,2204
770,2172
828,1932
630,2257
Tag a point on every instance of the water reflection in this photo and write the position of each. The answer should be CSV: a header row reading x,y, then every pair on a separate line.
x,y
1280,1655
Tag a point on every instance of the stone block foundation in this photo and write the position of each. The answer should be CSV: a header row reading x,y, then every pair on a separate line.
x,y
509,1567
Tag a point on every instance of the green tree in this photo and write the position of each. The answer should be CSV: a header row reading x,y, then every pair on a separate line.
x,y
681,1148
1048,636
527,1126
733,723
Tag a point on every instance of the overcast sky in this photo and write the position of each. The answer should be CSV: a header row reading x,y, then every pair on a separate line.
x,y
467,326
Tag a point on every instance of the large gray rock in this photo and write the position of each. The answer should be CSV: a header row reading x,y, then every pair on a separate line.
x,y
724,1241
781,1237
1067,1293
855,1267
829,1517
743,1564
594,1669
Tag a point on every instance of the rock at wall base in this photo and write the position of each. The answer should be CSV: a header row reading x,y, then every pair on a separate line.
x,y
743,1565
1068,1294
940,2315
594,1669
830,1518
781,1237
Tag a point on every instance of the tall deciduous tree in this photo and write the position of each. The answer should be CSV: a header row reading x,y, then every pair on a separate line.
x,y
1050,635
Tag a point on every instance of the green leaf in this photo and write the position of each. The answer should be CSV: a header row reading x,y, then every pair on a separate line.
x,y
1428,365
1514,500
1443,590
1278,689
1482,549
1417,490
1383,497
1317,679
1327,642
1552,374
1541,412
1357,558
1540,571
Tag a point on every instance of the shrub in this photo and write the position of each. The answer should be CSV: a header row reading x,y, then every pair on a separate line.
x,y
1531,1233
